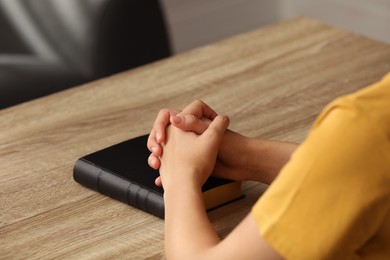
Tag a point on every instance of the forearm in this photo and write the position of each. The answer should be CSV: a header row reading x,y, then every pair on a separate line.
x,y
255,159
265,158
188,232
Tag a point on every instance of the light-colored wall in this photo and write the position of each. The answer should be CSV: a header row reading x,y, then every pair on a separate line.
x,y
367,17
197,22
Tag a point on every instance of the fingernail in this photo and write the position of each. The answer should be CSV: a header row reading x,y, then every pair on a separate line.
x,y
176,119
158,136
152,161
154,149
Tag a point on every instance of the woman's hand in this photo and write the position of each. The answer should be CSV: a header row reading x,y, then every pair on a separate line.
x,y
196,110
196,117
188,158
239,158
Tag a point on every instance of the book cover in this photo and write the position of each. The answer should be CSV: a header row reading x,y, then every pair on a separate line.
x,y
122,172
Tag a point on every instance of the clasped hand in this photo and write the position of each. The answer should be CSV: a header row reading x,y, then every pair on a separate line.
x,y
185,144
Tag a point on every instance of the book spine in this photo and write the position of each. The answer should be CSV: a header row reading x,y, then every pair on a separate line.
x,y
95,178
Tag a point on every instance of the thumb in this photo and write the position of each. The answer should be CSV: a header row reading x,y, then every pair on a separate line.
x,y
216,130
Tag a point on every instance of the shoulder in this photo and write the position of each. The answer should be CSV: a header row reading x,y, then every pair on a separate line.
x,y
370,105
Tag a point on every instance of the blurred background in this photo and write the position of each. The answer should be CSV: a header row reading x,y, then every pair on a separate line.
x,y
50,45
197,22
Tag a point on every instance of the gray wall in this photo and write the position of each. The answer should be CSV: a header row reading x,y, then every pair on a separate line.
x,y
197,22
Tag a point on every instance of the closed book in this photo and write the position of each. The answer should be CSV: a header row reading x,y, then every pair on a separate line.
x,y
122,172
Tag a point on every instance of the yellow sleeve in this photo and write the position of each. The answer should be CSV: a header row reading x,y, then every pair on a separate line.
x,y
333,194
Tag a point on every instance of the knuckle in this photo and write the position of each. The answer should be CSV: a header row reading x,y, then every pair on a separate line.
x,y
163,111
199,102
192,118
189,120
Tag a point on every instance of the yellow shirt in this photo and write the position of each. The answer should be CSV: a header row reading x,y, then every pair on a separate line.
x,y
332,199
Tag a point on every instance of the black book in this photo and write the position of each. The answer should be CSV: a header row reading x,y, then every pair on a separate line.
x,y
122,172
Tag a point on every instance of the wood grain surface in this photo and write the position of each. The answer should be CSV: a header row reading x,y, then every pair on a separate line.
x,y
272,82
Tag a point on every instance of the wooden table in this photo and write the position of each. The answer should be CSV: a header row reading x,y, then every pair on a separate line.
x,y
272,82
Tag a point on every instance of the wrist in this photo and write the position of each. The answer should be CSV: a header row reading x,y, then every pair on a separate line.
x,y
180,193
181,181
234,151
